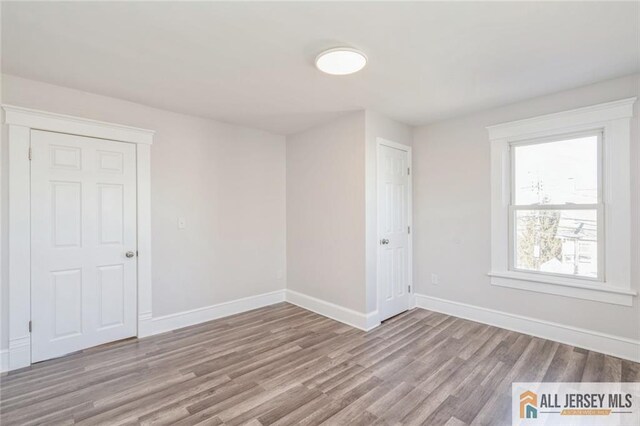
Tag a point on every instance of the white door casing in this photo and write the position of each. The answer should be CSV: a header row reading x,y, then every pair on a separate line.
x,y
83,222
20,122
394,243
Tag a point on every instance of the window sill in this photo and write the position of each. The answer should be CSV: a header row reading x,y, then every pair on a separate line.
x,y
561,286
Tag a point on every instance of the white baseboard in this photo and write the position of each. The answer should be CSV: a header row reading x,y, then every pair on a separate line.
x,y
347,316
588,339
4,360
208,313
145,324
18,355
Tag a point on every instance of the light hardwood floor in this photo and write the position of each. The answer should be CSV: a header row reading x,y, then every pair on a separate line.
x,y
284,365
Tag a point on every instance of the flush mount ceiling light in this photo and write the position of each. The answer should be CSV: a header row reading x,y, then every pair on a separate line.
x,y
341,61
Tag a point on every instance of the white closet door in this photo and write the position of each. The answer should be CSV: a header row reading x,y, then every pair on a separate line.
x,y
83,243
393,220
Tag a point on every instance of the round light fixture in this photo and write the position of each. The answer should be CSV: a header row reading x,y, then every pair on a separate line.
x,y
341,61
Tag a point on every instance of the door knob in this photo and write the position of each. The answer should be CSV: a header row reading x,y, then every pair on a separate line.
x,y
384,241
129,254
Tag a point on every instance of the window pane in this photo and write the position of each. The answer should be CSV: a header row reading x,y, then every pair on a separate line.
x,y
557,172
557,241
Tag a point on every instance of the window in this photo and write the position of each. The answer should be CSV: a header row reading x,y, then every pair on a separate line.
x,y
556,206
561,203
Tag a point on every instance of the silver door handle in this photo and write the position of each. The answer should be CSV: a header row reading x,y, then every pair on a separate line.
x,y
129,254
384,241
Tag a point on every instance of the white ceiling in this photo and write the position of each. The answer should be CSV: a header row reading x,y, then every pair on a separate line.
x,y
252,63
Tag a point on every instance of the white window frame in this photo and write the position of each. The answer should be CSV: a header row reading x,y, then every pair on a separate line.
x,y
613,120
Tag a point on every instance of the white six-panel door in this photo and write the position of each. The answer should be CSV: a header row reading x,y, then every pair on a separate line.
x,y
393,231
83,223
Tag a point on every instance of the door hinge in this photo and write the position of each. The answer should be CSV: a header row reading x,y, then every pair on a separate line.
x,y
30,154
408,229
30,327
409,288
409,171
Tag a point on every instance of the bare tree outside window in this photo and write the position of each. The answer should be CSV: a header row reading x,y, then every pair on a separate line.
x,y
538,242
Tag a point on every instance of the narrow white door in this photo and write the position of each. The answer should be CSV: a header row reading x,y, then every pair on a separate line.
x,y
393,231
83,243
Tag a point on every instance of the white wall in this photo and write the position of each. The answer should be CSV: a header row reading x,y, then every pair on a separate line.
x,y
452,207
250,229
332,236
325,212
377,126
227,181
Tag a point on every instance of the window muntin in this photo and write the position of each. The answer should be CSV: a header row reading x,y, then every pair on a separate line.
x,y
556,215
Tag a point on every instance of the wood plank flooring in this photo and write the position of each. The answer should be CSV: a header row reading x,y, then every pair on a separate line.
x,y
283,365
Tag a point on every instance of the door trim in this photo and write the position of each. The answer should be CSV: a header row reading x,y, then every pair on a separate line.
x,y
385,142
20,121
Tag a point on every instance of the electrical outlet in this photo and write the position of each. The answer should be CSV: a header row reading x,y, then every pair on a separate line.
x,y
182,223
434,279
279,274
